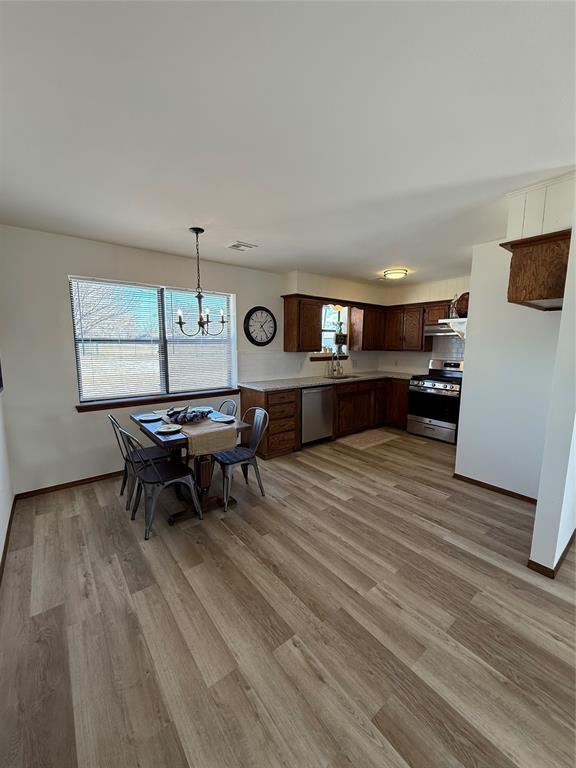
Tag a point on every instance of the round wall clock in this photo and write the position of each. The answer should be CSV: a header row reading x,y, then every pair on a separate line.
x,y
260,326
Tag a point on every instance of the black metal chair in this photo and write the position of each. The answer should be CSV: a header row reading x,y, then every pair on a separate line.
x,y
153,452
245,456
153,476
228,408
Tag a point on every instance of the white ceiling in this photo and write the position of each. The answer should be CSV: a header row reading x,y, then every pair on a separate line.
x,y
343,138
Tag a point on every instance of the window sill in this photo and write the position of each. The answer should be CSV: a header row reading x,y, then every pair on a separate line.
x,y
128,402
324,356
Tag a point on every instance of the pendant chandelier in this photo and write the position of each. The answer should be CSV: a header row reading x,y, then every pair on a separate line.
x,y
204,320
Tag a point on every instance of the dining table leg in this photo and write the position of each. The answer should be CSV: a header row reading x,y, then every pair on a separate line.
x,y
203,473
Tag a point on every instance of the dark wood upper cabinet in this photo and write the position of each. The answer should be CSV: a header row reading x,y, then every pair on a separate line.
x,y
374,329
355,329
538,270
302,324
310,332
405,329
366,329
435,312
413,334
394,332
371,328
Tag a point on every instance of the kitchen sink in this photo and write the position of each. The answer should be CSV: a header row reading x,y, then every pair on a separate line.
x,y
344,376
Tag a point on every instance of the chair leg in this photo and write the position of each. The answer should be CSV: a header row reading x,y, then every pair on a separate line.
x,y
131,486
227,482
151,493
192,485
257,471
124,479
245,472
136,501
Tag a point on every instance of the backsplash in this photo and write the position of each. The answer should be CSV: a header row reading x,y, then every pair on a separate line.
x,y
260,364
443,347
256,365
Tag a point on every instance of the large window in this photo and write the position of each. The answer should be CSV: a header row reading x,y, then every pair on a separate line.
x,y
128,344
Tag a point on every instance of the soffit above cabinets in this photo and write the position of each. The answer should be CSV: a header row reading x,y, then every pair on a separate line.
x,y
541,208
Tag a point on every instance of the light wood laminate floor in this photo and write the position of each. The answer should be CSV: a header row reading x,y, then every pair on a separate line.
x,y
371,611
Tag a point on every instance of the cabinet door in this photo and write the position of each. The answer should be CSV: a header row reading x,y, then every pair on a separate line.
x,y
364,411
397,403
354,413
435,312
413,328
310,326
355,329
374,329
380,403
394,328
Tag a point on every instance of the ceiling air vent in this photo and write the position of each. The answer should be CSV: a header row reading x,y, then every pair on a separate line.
x,y
240,245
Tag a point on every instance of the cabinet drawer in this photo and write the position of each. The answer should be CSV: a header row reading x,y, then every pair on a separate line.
x,y
281,411
285,441
277,398
346,389
365,386
281,425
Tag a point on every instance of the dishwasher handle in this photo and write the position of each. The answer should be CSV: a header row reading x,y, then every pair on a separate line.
x,y
315,390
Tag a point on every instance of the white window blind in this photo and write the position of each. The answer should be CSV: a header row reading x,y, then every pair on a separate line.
x,y
203,362
127,342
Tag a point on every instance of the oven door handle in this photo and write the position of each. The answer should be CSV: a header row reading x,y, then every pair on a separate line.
x,y
441,392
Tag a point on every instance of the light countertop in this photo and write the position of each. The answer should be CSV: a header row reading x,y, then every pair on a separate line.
x,y
322,381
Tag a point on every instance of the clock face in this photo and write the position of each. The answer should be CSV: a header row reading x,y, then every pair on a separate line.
x,y
260,326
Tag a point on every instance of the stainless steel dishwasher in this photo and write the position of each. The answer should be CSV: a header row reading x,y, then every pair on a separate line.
x,y
317,413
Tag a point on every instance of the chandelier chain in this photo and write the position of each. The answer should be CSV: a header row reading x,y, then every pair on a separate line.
x,y
198,286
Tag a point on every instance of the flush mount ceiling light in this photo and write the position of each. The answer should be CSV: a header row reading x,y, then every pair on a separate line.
x,y
394,274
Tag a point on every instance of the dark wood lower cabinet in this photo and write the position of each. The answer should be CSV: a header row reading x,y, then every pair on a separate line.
x,y
357,406
283,406
354,412
396,403
381,403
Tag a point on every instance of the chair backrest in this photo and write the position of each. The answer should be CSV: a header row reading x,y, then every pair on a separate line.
x,y
258,418
117,430
228,408
136,454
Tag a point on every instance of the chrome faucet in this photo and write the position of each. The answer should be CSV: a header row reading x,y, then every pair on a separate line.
x,y
336,366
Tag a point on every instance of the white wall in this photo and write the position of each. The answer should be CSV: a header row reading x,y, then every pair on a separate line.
x,y
49,441
510,353
437,290
555,513
375,292
6,496
335,287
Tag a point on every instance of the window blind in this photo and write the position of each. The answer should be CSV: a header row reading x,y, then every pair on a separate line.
x,y
127,343
202,362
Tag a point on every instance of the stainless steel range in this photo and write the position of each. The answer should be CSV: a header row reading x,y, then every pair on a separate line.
x,y
434,400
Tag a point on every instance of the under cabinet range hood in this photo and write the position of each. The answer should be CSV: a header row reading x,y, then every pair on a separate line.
x,y
441,328
438,329
450,326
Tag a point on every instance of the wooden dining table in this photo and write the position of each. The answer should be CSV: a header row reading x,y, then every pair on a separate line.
x,y
178,445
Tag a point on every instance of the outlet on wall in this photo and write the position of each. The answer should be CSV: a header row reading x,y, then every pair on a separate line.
x,y
354,363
